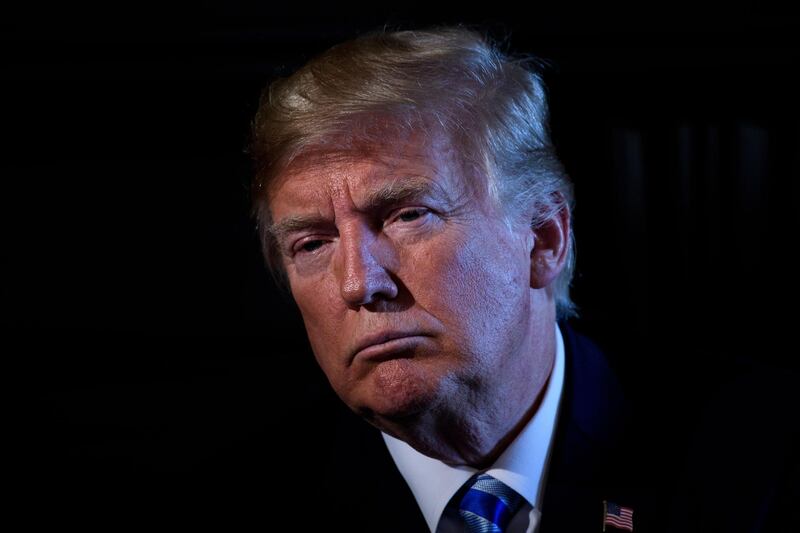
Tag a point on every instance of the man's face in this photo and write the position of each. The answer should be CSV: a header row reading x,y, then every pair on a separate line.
x,y
414,292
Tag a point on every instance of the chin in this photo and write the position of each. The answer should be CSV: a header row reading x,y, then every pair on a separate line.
x,y
397,390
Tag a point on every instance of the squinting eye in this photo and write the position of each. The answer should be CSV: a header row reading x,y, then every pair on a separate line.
x,y
411,215
310,246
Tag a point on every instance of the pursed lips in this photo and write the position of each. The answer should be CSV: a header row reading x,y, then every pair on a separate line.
x,y
386,344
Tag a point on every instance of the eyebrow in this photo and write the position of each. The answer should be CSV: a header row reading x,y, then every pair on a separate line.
x,y
399,190
396,191
294,223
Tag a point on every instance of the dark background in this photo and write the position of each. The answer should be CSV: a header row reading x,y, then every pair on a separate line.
x,y
134,289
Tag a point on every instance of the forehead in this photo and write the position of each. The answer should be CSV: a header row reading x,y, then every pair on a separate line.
x,y
401,163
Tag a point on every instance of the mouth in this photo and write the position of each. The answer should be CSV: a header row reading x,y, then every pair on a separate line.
x,y
388,345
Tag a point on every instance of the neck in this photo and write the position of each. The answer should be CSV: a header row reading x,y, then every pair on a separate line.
x,y
475,430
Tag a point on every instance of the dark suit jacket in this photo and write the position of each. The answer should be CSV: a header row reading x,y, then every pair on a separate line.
x,y
584,468
603,450
727,464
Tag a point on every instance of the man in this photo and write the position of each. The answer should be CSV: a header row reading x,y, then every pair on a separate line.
x,y
408,193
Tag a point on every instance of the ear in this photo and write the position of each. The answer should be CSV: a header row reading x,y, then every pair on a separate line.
x,y
551,241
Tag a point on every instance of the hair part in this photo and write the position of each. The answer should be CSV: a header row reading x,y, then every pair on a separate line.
x,y
491,106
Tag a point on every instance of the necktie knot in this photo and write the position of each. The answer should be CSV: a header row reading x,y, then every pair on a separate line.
x,y
488,505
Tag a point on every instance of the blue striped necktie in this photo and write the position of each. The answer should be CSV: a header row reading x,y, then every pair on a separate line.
x,y
488,505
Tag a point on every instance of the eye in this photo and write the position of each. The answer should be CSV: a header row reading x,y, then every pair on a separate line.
x,y
410,214
308,246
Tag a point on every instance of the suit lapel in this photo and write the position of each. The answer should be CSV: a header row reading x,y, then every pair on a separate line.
x,y
363,483
587,464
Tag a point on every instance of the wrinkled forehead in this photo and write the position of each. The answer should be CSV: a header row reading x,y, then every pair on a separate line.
x,y
412,155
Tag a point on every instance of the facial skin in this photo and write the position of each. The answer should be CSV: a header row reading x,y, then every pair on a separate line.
x,y
428,313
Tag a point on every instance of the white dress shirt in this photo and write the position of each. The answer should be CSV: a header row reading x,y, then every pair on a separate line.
x,y
522,466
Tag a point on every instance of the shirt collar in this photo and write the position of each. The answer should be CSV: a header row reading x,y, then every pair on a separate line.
x,y
521,466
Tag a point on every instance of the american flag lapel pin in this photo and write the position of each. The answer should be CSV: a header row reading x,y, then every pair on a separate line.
x,y
617,516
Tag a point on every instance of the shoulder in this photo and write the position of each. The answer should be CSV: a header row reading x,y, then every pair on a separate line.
x,y
704,451
358,483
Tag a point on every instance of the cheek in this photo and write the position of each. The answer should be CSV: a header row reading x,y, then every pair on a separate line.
x,y
480,288
319,308
317,298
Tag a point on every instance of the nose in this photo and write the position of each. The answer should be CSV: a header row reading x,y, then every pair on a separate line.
x,y
364,277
